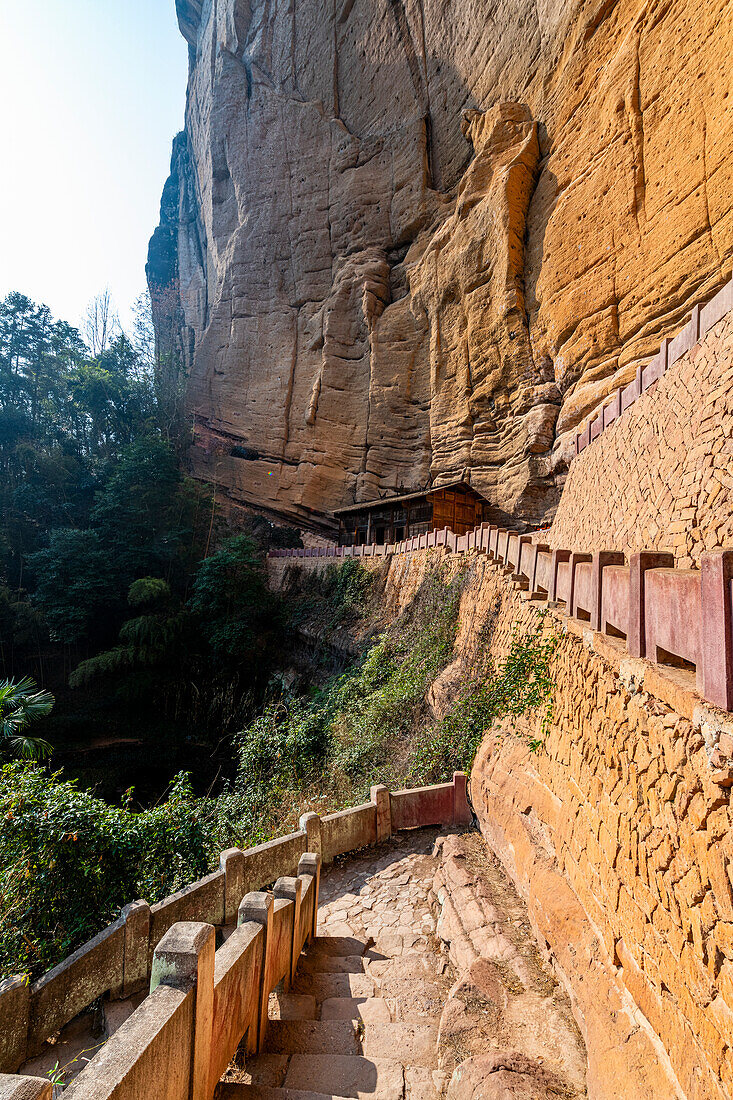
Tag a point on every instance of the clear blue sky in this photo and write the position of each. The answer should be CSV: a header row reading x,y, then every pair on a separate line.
x,y
91,94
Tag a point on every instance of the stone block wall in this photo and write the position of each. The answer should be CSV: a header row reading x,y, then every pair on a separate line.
x,y
618,834
619,837
661,475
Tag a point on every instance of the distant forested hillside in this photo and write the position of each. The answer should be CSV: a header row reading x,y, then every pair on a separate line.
x,y
120,591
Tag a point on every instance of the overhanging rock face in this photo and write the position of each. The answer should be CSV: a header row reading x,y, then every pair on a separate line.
x,y
404,241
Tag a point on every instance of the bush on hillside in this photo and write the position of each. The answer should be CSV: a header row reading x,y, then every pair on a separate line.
x,y
69,861
509,688
357,729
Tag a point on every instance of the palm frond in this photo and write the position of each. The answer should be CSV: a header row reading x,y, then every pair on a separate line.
x,y
30,748
21,703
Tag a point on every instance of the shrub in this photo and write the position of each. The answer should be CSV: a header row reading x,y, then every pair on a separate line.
x,y
511,688
69,861
359,723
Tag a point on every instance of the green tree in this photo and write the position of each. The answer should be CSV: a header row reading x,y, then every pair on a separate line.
x,y
68,861
143,514
230,597
153,639
21,704
77,585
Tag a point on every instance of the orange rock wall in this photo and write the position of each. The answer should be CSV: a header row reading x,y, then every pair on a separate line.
x,y
414,239
661,476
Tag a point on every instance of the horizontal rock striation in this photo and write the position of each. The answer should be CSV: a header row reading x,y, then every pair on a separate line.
x,y
412,240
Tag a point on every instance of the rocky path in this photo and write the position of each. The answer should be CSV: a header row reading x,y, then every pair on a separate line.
x,y
362,1018
378,1010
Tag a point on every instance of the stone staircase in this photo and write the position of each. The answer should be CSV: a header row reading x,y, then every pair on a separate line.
x,y
361,1019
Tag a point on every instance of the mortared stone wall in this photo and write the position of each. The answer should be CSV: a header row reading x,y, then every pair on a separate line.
x,y
618,832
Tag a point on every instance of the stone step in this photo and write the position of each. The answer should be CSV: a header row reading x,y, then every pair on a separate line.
x,y
337,945
369,1009
313,1036
414,1044
405,970
318,963
346,1075
411,1044
427,1084
417,994
292,1006
324,986
231,1091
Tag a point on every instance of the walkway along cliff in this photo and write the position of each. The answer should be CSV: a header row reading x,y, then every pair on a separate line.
x,y
203,1002
617,832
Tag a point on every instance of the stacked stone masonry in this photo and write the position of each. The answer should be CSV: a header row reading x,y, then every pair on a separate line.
x,y
701,321
661,475
672,616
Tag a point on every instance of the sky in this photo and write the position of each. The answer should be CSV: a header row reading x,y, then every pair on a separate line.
x,y
91,95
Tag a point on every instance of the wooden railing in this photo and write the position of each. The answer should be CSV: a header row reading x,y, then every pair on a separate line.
x,y
202,1003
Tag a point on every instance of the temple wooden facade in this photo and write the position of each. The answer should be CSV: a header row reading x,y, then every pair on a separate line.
x,y
456,506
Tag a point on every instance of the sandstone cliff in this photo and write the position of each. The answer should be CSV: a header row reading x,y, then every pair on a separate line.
x,y
420,239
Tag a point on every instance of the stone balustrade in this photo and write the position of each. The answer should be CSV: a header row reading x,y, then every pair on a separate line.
x,y
677,617
202,1002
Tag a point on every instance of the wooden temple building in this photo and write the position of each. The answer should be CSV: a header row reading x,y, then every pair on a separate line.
x,y
456,506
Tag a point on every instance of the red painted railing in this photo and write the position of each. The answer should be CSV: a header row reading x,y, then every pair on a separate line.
x,y
668,615
702,320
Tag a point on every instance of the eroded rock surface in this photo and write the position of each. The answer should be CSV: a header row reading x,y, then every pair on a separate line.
x,y
414,239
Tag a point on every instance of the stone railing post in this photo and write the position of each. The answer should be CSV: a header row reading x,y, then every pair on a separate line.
x,y
232,863
539,548
461,810
137,939
601,559
379,795
558,556
310,864
14,1008
310,824
292,890
184,959
258,907
716,627
638,566
25,1088
575,560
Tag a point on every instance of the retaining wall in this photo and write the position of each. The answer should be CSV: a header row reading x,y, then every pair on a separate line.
x,y
661,475
681,618
618,834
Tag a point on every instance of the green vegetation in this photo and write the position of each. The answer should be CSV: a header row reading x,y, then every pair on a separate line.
x,y
372,722
68,861
357,728
122,593
21,704
93,504
510,688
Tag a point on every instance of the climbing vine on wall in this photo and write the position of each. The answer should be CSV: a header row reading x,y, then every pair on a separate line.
x,y
509,688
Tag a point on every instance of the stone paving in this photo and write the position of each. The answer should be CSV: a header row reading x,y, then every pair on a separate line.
x,y
362,1017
